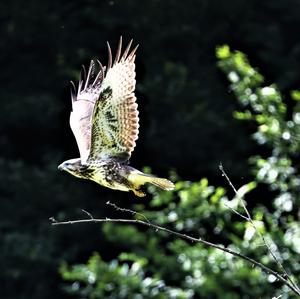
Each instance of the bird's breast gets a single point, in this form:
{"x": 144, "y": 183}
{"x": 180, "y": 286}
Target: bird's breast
{"x": 111, "y": 175}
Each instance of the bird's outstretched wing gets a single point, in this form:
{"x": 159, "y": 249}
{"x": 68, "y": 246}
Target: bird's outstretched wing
{"x": 104, "y": 117}
{"x": 115, "y": 119}
{"x": 83, "y": 102}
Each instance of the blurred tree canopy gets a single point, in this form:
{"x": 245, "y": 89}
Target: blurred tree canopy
{"x": 186, "y": 125}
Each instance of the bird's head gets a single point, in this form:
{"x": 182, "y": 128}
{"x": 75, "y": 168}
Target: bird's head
{"x": 74, "y": 167}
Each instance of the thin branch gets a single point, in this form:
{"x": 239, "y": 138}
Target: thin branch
{"x": 180, "y": 235}
{"x": 236, "y": 193}
{"x": 88, "y": 213}
{"x": 236, "y": 212}
{"x": 249, "y": 218}
{"x": 127, "y": 210}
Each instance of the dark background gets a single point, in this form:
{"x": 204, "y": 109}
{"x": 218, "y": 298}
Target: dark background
{"x": 184, "y": 101}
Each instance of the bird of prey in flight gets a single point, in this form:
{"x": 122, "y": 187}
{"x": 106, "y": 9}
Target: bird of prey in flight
{"x": 105, "y": 123}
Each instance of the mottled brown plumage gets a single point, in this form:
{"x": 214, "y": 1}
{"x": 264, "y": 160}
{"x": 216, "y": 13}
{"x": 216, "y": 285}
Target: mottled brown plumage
{"x": 105, "y": 123}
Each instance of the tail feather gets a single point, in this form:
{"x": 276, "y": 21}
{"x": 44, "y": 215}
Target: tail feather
{"x": 162, "y": 183}
{"x": 138, "y": 179}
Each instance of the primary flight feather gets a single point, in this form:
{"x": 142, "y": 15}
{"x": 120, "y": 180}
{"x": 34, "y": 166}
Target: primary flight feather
{"x": 105, "y": 123}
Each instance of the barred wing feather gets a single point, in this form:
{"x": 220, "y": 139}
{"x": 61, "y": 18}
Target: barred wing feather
{"x": 115, "y": 119}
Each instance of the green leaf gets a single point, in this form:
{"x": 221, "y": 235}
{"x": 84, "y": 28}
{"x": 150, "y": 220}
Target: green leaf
{"x": 223, "y": 52}
{"x": 295, "y": 95}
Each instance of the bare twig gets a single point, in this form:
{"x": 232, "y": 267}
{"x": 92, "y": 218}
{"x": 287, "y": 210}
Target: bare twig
{"x": 127, "y": 210}
{"x": 249, "y": 219}
{"x": 147, "y": 223}
{"x": 236, "y": 212}
{"x": 86, "y": 212}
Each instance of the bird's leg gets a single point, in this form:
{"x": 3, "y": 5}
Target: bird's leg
{"x": 138, "y": 192}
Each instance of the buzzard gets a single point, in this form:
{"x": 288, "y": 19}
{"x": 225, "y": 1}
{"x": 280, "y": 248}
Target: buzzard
{"x": 105, "y": 123}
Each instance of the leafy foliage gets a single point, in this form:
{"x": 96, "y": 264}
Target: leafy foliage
{"x": 280, "y": 131}
{"x": 118, "y": 279}
{"x": 277, "y": 129}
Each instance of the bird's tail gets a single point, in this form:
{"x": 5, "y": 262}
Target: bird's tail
{"x": 138, "y": 179}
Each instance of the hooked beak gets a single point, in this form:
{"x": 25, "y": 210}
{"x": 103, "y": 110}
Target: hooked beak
{"x": 61, "y": 167}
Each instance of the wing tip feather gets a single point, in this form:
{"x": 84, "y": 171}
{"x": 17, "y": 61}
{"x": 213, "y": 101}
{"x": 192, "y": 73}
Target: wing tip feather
{"x": 109, "y": 56}
{"x": 119, "y": 49}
